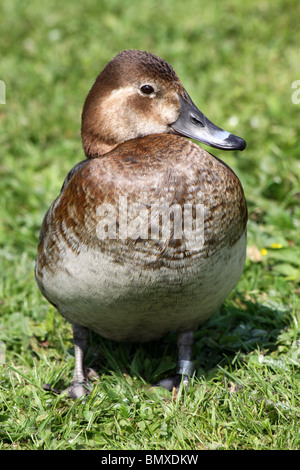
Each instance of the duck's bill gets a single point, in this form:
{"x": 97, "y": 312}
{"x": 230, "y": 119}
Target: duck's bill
{"x": 194, "y": 124}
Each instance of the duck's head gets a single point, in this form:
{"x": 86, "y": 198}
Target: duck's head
{"x": 139, "y": 94}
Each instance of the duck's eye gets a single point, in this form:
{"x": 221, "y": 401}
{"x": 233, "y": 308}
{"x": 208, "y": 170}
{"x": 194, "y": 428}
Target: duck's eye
{"x": 147, "y": 89}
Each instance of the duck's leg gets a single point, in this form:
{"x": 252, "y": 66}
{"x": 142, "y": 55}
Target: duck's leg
{"x": 79, "y": 386}
{"x": 185, "y": 367}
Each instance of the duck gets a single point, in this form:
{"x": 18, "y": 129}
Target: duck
{"x": 148, "y": 234}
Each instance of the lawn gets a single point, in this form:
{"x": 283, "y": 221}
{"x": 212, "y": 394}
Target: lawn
{"x": 238, "y": 61}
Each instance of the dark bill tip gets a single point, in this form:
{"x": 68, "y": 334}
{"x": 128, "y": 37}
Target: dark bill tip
{"x": 234, "y": 143}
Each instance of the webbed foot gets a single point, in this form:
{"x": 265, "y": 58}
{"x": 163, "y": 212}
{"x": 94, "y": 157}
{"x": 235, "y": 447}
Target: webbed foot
{"x": 75, "y": 390}
{"x": 174, "y": 382}
{"x": 79, "y": 389}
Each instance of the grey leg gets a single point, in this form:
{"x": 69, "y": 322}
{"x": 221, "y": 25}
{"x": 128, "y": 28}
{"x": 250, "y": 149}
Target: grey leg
{"x": 185, "y": 366}
{"x": 79, "y": 386}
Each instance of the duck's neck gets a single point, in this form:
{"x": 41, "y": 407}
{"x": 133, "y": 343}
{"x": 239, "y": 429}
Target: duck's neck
{"x": 94, "y": 149}
{"x": 96, "y": 135}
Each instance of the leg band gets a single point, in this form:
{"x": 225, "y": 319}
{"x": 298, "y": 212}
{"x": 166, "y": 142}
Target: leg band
{"x": 185, "y": 368}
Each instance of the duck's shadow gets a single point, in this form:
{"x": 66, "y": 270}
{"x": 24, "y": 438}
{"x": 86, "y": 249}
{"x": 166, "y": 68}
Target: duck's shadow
{"x": 229, "y": 332}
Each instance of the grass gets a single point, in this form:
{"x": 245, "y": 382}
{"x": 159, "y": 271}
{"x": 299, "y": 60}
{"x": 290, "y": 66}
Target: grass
{"x": 238, "y": 61}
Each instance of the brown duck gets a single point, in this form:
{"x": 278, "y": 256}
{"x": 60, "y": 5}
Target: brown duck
{"x": 148, "y": 234}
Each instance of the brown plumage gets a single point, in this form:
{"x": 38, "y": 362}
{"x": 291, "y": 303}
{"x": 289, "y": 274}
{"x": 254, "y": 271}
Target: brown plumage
{"x": 138, "y": 285}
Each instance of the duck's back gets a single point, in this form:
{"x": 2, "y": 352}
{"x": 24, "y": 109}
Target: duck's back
{"x": 115, "y": 254}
